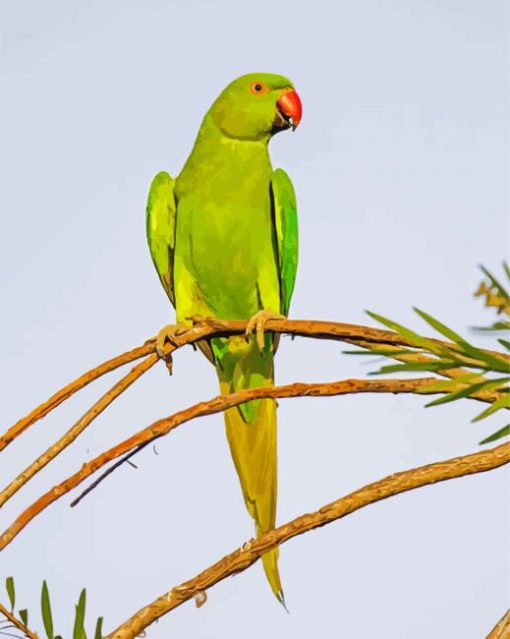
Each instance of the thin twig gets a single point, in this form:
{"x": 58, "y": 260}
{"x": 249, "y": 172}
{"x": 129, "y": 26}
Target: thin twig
{"x": 502, "y": 629}
{"x": 71, "y": 388}
{"x": 18, "y": 623}
{"x": 68, "y": 437}
{"x": 250, "y": 552}
{"x": 351, "y": 333}
{"x": 109, "y": 471}
{"x": 215, "y": 405}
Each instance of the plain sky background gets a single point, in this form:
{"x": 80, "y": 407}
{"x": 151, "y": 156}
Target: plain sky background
{"x": 400, "y": 167}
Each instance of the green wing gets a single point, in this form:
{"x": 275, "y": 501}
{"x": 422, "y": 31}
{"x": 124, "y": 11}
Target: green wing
{"x": 161, "y": 213}
{"x": 286, "y": 224}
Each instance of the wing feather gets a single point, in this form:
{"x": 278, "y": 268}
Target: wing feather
{"x": 286, "y": 227}
{"x": 161, "y": 221}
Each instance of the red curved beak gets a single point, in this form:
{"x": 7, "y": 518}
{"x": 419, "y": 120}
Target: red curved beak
{"x": 289, "y": 103}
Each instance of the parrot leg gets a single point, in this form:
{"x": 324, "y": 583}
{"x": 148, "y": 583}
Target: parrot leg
{"x": 257, "y": 323}
{"x": 169, "y": 333}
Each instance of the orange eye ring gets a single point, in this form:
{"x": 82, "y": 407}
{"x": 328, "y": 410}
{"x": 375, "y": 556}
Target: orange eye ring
{"x": 258, "y": 87}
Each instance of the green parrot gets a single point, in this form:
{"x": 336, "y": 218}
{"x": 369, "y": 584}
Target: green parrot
{"x": 223, "y": 237}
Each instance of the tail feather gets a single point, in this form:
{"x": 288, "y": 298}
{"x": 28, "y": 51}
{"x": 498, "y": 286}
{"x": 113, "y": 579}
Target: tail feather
{"x": 252, "y": 436}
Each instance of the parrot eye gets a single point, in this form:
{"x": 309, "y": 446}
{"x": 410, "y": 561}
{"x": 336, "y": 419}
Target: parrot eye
{"x": 258, "y": 88}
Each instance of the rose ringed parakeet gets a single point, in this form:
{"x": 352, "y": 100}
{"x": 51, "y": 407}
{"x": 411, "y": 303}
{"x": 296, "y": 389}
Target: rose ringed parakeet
{"x": 224, "y": 239}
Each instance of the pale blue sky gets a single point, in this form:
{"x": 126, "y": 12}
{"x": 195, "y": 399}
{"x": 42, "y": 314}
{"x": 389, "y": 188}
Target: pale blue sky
{"x": 400, "y": 167}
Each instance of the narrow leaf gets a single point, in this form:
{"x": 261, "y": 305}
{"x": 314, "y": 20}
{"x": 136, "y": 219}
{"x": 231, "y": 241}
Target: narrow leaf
{"x": 11, "y": 593}
{"x": 502, "y": 432}
{"x": 497, "y": 326}
{"x": 23, "y": 615}
{"x": 430, "y": 367}
{"x": 450, "y": 384}
{"x": 470, "y": 350}
{"x": 506, "y": 268}
{"x": 46, "y": 611}
{"x": 411, "y": 336}
{"x": 79, "y": 619}
{"x": 99, "y": 628}
{"x": 440, "y": 327}
{"x": 502, "y": 402}
{"x": 484, "y": 360}
{"x": 505, "y": 343}
{"x": 489, "y": 384}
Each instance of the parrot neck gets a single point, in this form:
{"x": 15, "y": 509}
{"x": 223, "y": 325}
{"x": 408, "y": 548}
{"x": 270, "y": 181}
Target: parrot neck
{"x": 214, "y": 149}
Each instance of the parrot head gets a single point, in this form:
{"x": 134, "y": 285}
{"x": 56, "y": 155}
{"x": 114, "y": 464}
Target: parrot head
{"x": 256, "y": 106}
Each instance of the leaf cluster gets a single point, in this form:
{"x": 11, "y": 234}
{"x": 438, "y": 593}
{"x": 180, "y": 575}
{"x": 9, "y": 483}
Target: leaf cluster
{"x": 47, "y": 616}
{"x": 463, "y": 368}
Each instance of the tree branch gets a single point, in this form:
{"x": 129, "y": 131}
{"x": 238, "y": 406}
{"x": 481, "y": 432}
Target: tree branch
{"x": 215, "y": 405}
{"x": 451, "y": 373}
{"x": 502, "y": 629}
{"x": 484, "y": 396}
{"x": 77, "y": 428}
{"x": 352, "y": 333}
{"x": 18, "y": 623}
{"x": 71, "y": 388}
{"x": 250, "y": 552}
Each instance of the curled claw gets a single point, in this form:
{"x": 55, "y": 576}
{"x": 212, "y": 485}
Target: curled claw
{"x": 168, "y": 334}
{"x": 257, "y": 323}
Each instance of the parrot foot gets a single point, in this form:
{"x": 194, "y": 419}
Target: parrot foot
{"x": 169, "y": 333}
{"x": 257, "y": 323}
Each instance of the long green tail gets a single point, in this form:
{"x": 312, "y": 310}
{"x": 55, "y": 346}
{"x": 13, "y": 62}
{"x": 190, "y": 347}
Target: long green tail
{"x": 251, "y": 433}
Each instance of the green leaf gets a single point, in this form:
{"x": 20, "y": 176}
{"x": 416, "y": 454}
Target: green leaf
{"x": 23, "y": 615}
{"x": 98, "y": 634}
{"x": 505, "y": 343}
{"x": 488, "y": 384}
{"x": 502, "y": 432}
{"x": 506, "y": 268}
{"x": 409, "y": 367}
{"x": 46, "y": 611}
{"x": 449, "y": 384}
{"x": 487, "y": 360}
{"x": 502, "y": 402}
{"x": 440, "y": 327}
{"x": 408, "y": 334}
{"x": 497, "y": 326}
{"x": 467, "y": 348}
{"x": 11, "y": 593}
{"x": 79, "y": 619}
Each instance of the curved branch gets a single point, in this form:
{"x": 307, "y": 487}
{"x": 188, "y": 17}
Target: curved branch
{"x": 18, "y": 623}
{"x": 217, "y": 404}
{"x": 483, "y": 396}
{"x": 71, "y": 388}
{"x": 351, "y": 333}
{"x": 250, "y": 552}
{"x": 502, "y": 629}
{"x": 75, "y": 430}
